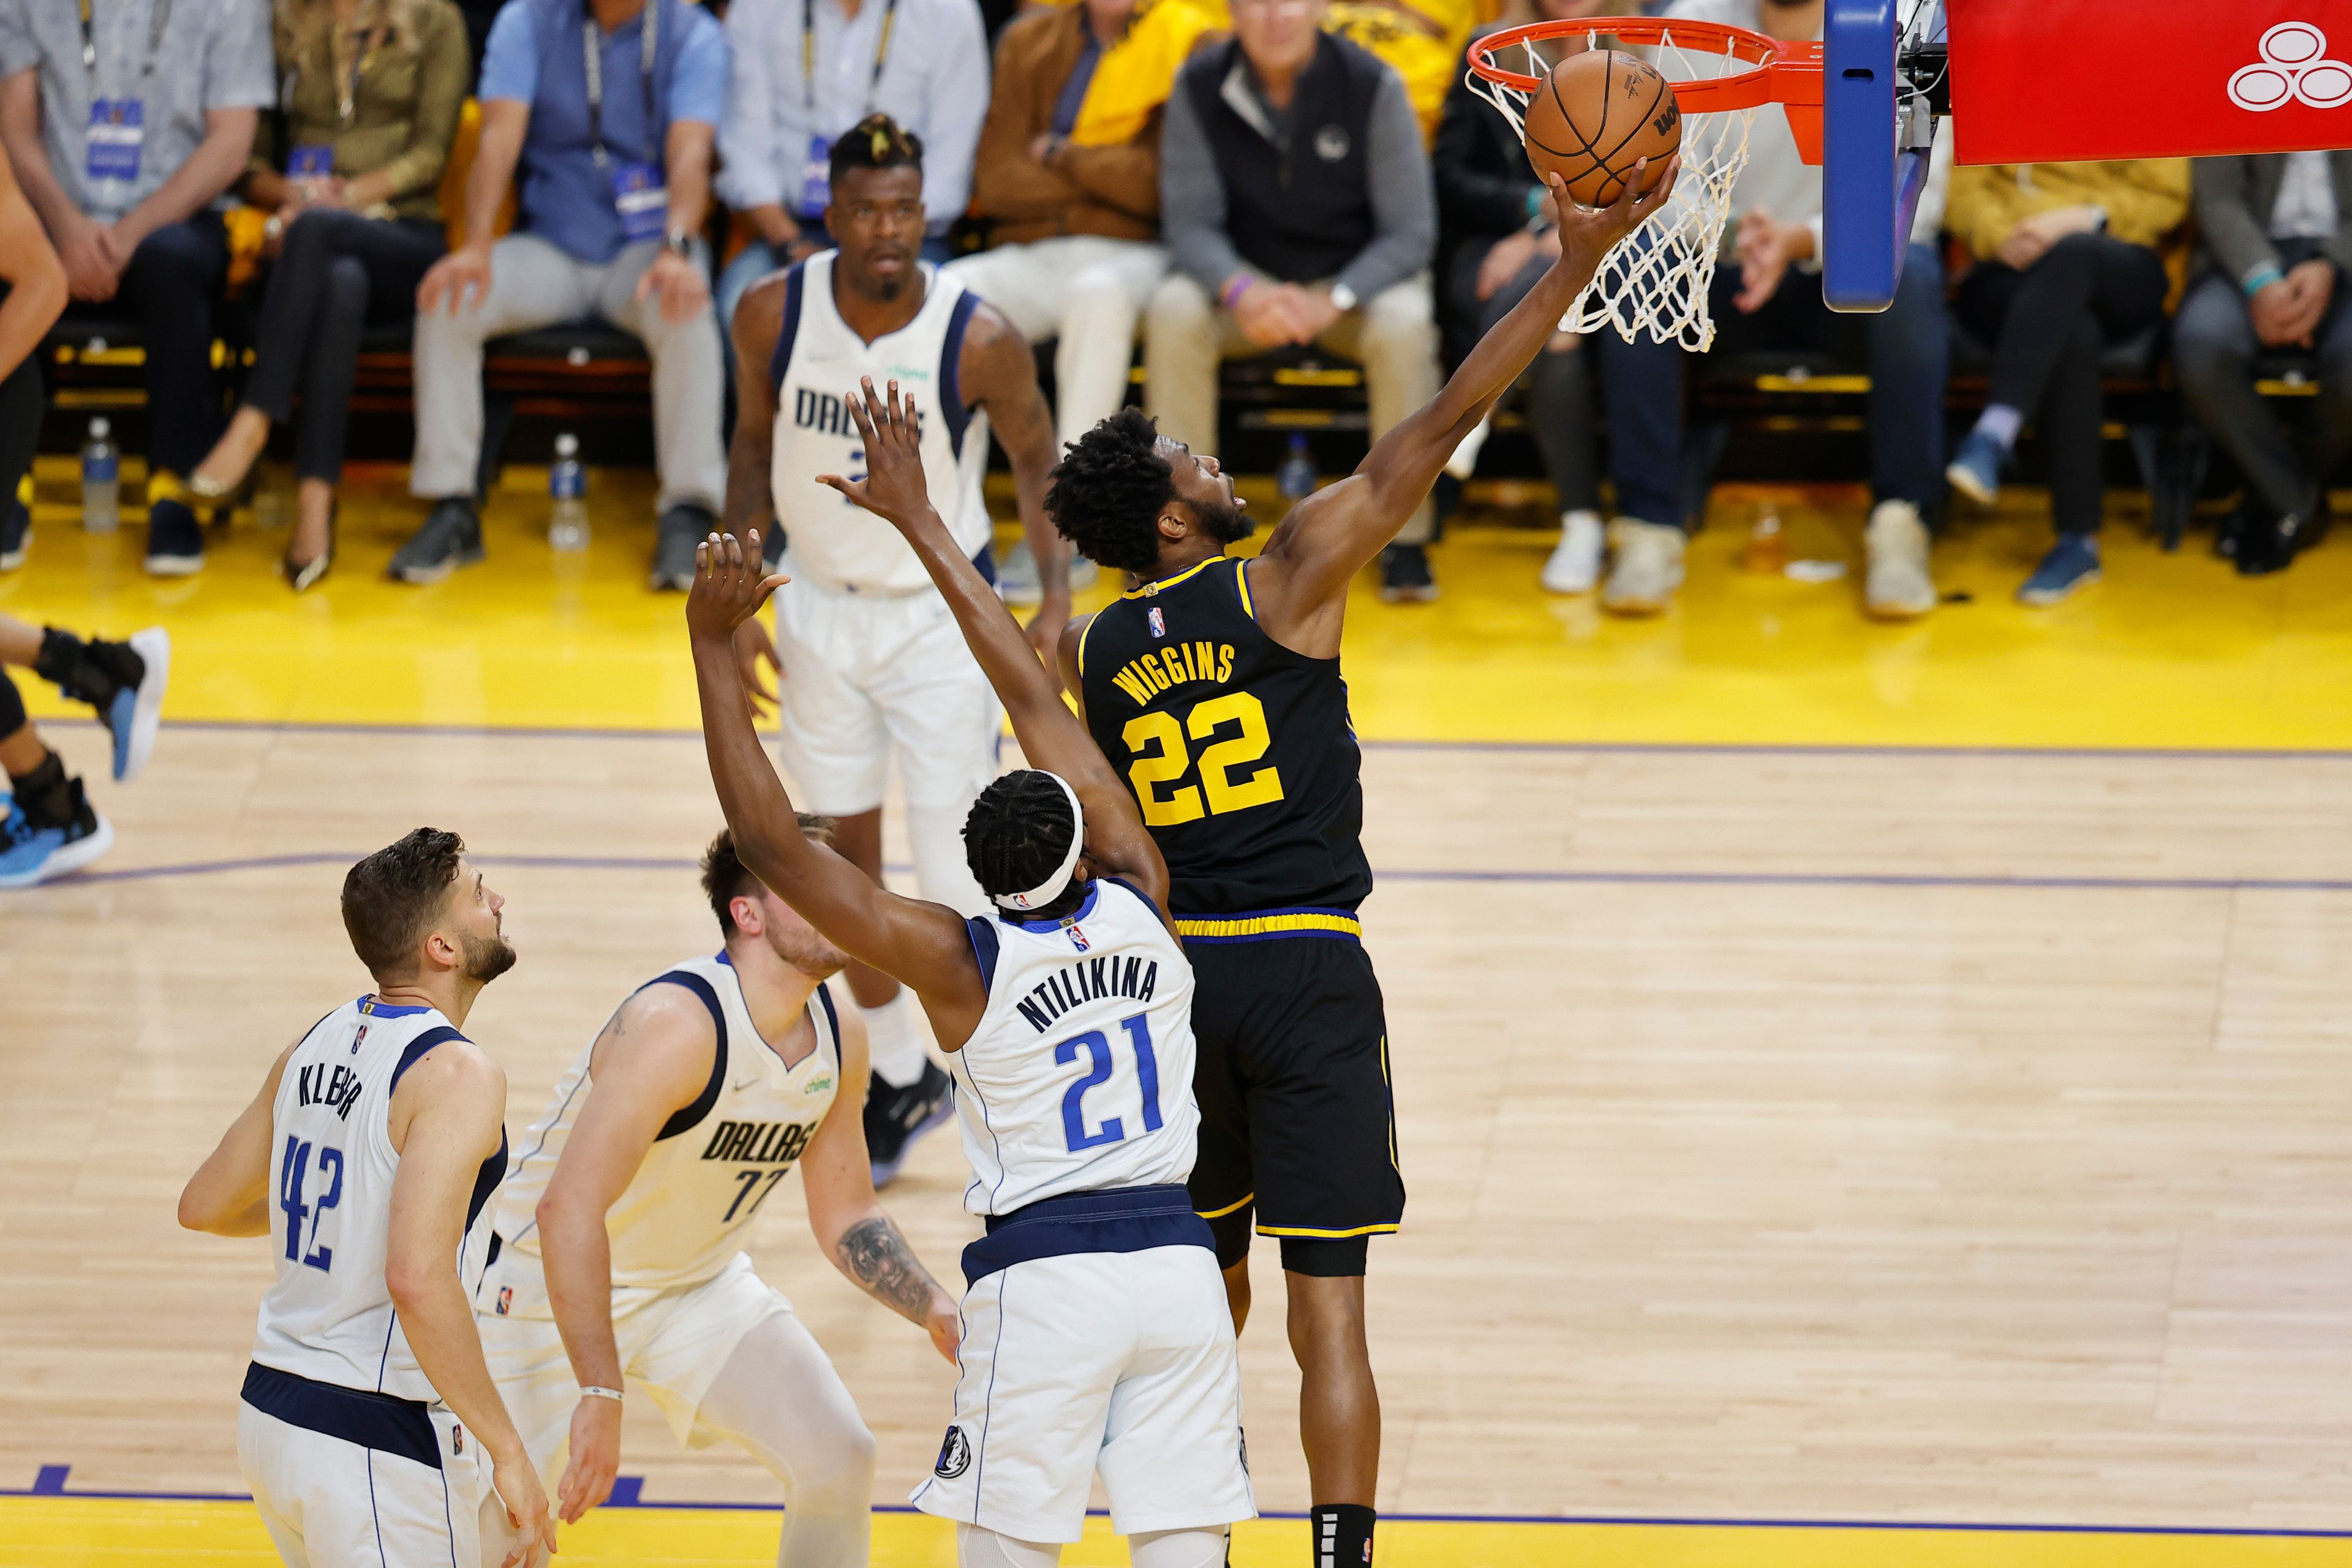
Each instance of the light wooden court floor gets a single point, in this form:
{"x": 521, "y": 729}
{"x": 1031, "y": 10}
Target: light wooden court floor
{"x": 1804, "y": 1132}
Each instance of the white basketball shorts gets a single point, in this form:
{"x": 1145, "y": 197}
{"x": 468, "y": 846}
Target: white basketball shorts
{"x": 864, "y": 677}
{"x": 1118, "y": 1361}
{"x": 672, "y": 1342}
{"x": 392, "y": 1482}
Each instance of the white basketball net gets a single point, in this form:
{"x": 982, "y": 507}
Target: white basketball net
{"x": 1656, "y": 279}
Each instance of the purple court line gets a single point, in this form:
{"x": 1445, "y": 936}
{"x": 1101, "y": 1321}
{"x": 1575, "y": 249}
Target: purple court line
{"x": 627, "y": 1492}
{"x": 1606, "y": 877}
{"x": 1627, "y": 748}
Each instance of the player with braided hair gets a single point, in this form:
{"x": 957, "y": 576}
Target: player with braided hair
{"x": 1067, "y": 1016}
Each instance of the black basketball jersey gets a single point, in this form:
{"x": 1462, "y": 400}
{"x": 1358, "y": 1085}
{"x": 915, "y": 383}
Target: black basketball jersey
{"x": 1238, "y": 749}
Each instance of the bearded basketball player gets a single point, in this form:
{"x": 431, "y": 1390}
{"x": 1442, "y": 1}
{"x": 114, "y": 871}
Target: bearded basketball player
{"x": 872, "y": 666}
{"x": 1213, "y": 687}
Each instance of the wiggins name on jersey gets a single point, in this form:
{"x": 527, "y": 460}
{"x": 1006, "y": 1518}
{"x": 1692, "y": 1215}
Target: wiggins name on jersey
{"x": 1238, "y": 749}
{"x": 711, "y": 1166}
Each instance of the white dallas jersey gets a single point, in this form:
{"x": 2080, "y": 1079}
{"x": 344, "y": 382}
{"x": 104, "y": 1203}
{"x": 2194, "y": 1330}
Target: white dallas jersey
{"x": 711, "y": 1166}
{"x": 329, "y": 1317}
{"x": 834, "y": 544}
{"x": 1079, "y": 1077}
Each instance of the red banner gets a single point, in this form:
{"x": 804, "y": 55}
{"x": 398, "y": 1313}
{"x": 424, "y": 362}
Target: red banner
{"x": 2048, "y": 81}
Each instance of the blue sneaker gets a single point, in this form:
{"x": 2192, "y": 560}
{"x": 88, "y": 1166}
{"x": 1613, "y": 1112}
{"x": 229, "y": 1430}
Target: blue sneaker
{"x": 29, "y": 855}
{"x": 895, "y": 1117}
{"x": 137, "y": 713}
{"x": 1975, "y": 469}
{"x": 2072, "y": 562}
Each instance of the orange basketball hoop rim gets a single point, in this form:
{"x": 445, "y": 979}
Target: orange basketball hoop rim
{"x": 1757, "y": 69}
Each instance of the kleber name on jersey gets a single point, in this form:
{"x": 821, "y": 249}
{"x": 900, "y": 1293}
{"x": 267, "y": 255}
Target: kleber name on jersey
{"x": 335, "y": 1087}
{"x": 1148, "y": 675}
{"x": 1073, "y": 984}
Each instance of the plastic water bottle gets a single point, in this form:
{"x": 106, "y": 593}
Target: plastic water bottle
{"x": 102, "y": 480}
{"x": 567, "y": 486}
{"x": 1296, "y": 476}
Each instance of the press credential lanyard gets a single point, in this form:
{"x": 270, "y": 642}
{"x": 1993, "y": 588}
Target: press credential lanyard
{"x": 640, "y": 188}
{"x": 816, "y": 172}
{"x": 118, "y": 126}
{"x": 649, "y": 36}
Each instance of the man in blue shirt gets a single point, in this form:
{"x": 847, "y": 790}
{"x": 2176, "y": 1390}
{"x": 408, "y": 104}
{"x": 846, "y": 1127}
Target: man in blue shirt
{"x": 610, "y": 113}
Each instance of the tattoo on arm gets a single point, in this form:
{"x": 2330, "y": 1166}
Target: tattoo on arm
{"x": 873, "y": 1253}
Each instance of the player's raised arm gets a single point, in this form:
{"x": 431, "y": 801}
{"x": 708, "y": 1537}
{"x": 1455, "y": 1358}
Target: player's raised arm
{"x": 920, "y": 944}
{"x": 1051, "y": 736}
{"x": 1330, "y": 535}
{"x": 229, "y": 1193}
{"x": 652, "y": 1059}
{"x": 447, "y": 1120}
{"x": 848, "y": 1220}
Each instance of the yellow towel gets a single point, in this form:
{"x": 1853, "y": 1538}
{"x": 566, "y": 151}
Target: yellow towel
{"x": 1135, "y": 75}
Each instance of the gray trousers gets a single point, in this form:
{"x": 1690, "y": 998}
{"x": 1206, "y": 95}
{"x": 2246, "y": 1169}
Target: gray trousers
{"x": 533, "y": 284}
{"x": 2214, "y": 350}
{"x": 1393, "y": 335}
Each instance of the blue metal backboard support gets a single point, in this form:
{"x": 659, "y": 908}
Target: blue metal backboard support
{"x": 1870, "y": 180}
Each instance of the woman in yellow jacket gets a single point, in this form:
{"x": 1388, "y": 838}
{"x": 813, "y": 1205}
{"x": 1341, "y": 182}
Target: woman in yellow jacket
{"x": 2065, "y": 263}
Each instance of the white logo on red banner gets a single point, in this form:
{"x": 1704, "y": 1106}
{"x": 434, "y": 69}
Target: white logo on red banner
{"x": 2295, "y": 69}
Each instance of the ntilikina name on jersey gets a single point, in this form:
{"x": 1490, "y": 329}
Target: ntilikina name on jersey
{"x": 1066, "y": 987}
{"x": 1148, "y": 675}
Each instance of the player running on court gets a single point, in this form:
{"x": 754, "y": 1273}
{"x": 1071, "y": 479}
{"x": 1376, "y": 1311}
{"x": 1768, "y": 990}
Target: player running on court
{"x": 619, "y": 1236}
{"x": 1213, "y": 687}
{"x": 1095, "y": 1335}
{"x": 872, "y": 667}
{"x": 367, "y": 1158}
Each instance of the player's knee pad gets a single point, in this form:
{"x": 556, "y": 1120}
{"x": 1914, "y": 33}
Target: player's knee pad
{"x": 1177, "y": 1548}
{"x": 943, "y": 873}
{"x": 978, "y": 1548}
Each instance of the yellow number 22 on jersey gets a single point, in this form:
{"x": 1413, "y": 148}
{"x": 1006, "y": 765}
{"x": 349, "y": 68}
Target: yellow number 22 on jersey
{"x": 1157, "y": 743}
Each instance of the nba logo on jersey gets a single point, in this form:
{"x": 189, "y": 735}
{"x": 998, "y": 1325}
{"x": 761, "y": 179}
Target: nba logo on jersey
{"x": 505, "y": 1299}
{"x": 1079, "y": 940}
{"x": 1159, "y": 622}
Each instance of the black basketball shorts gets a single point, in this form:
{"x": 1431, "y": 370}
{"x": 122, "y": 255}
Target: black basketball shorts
{"x": 1297, "y": 1120}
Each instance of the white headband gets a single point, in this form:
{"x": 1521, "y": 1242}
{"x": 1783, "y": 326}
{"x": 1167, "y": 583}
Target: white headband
{"x": 1046, "y": 891}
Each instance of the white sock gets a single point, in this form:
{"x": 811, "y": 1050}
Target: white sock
{"x": 2000, "y": 422}
{"x": 893, "y": 1045}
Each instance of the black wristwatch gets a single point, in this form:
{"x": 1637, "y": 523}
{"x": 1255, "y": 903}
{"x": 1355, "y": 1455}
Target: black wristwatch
{"x": 680, "y": 243}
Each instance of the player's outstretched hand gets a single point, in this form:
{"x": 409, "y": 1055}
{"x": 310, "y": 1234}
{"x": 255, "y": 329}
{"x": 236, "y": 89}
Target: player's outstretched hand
{"x": 728, "y": 588}
{"x": 1588, "y": 234}
{"x": 517, "y": 1486}
{"x": 595, "y": 1459}
{"x": 894, "y": 488}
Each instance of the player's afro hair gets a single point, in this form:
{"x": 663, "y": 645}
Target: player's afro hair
{"x": 1017, "y": 831}
{"x": 876, "y": 142}
{"x": 726, "y": 879}
{"x": 392, "y": 898}
{"x": 1107, "y": 493}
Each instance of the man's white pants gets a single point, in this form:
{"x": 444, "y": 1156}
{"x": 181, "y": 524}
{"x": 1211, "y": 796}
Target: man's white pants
{"x": 1087, "y": 291}
{"x": 725, "y": 1360}
{"x": 330, "y": 1502}
{"x": 867, "y": 678}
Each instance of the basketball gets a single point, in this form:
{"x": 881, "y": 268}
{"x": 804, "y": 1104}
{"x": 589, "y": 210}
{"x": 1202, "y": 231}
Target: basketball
{"x": 1600, "y": 113}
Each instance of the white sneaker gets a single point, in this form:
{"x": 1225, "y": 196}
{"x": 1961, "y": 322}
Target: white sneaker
{"x": 1464, "y": 461}
{"x": 1898, "y": 586}
{"x": 1575, "y": 564}
{"x": 1648, "y": 568}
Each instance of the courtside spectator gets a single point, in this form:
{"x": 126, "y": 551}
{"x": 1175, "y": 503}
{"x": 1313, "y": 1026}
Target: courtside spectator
{"x": 373, "y": 94}
{"x": 1295, "y": 197}
{"x": 804, "y": 71}
{"x": 2277, "y": 235}
{"x": 1766, "y": 295}
{"x": 2065, "y": 264}
{"x": 615, "y": 185}
{"x": 126, "y": 123}
{"x": 1494, "y": 239}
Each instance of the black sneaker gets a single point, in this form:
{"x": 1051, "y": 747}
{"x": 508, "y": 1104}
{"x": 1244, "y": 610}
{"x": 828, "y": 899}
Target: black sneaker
{"x": 1404, "y": 576}
{"x": 896, "y": 1117}
{"x": 176, "y": 544}
{"x": 451, "y": 537}
{"x": 16, "y": 536}
{"x": 683, "y": 527}
{"x": 2271, "y": 543}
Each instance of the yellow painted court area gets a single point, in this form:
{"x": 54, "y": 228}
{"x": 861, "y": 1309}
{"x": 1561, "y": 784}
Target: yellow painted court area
{"x": 74, "y": 1533}
{"x": 2170, "y": 650}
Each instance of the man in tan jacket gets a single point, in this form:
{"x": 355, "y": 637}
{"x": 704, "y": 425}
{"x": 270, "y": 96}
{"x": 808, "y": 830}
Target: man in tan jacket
{"x": 1078, "y": 215}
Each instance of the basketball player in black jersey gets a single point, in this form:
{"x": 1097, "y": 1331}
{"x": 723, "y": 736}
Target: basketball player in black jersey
{"x": 1213, "y": 687}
